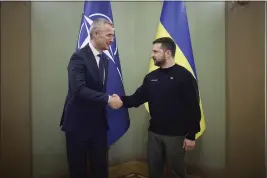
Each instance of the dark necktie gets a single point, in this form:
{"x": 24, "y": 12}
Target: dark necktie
{"x": 101, "y": 67}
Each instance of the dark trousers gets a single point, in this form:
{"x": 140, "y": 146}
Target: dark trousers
{"x": 162, "y": 150}
{"x": 80, "y": 148}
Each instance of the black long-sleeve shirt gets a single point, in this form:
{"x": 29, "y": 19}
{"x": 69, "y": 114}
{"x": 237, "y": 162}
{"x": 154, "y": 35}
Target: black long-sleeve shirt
{"x": 173, "y": 99}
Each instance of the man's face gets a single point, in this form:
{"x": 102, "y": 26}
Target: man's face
{"x": 158, "y": 55}
{"x": 104, "y": 36}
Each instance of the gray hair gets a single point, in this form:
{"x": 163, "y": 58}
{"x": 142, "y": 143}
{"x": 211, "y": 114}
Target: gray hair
{"x": 97, "y": 24}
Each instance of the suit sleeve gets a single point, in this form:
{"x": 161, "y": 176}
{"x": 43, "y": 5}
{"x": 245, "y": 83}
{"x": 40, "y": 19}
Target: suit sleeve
{"x": 76, "y": 74}
{"x": 193, "y": 112}
{"x": 137, "y": 99}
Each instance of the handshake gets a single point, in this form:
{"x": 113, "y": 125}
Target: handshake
{"x": 115, "y": 102}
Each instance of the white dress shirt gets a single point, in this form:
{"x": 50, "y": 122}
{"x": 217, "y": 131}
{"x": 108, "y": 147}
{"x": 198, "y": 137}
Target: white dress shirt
{"x": 96, "y": 53}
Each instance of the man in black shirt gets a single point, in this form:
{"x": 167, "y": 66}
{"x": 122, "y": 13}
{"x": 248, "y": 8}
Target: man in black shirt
{"x": 172, "y": 94}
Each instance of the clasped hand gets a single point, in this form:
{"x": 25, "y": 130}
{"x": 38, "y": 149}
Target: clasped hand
{"x": 115, "y": 102}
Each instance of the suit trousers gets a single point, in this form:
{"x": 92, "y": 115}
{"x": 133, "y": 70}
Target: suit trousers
{"x": 162, "y": 150}
{"x": 81, "y": 148}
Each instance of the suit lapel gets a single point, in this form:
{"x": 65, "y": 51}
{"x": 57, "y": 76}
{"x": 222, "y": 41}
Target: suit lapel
{"x": 91, "y": 63}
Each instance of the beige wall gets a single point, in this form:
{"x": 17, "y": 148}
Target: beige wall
{"x": 54, "y": 34}
{"x": 207, "y": 26}
{"x": 53, "y": 43}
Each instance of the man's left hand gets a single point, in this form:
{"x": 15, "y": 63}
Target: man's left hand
{"x": 189, "y": 144}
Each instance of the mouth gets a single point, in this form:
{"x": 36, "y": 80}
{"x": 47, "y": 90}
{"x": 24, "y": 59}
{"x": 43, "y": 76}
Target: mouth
{"x": 107, "y": 45}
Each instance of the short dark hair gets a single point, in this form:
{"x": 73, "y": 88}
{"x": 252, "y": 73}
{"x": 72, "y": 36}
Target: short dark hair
{"x": 167, "y": 43}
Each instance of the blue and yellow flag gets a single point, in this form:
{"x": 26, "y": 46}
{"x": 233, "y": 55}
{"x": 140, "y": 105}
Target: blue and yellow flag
{"x": 173, "y": 23}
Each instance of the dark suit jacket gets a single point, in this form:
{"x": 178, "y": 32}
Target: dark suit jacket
{"x": 84, "y": 109}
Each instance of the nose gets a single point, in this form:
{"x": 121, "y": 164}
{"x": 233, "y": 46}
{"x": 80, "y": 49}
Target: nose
{"x": 111, "y": 38}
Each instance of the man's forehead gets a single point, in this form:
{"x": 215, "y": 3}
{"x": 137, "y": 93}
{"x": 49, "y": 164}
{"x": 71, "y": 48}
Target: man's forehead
{"x": 110, "y": 30}
{"x": 106, "y": 25}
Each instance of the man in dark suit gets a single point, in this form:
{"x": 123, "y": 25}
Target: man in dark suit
{"x": 84, "y": 120}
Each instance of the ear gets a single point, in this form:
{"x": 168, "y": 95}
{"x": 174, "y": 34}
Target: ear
{"x": 96, "y": 32}
{"x": 168, "y": 52}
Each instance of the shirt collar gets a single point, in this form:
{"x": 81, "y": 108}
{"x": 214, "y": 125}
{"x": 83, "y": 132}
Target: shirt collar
{"x": 95, "y": 52}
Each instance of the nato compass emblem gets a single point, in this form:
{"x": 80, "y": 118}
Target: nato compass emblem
{"x": 84, "y": 37}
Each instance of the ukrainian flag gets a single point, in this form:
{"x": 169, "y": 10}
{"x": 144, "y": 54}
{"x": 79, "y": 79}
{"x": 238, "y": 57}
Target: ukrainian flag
{"x": 173, "y": 23}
